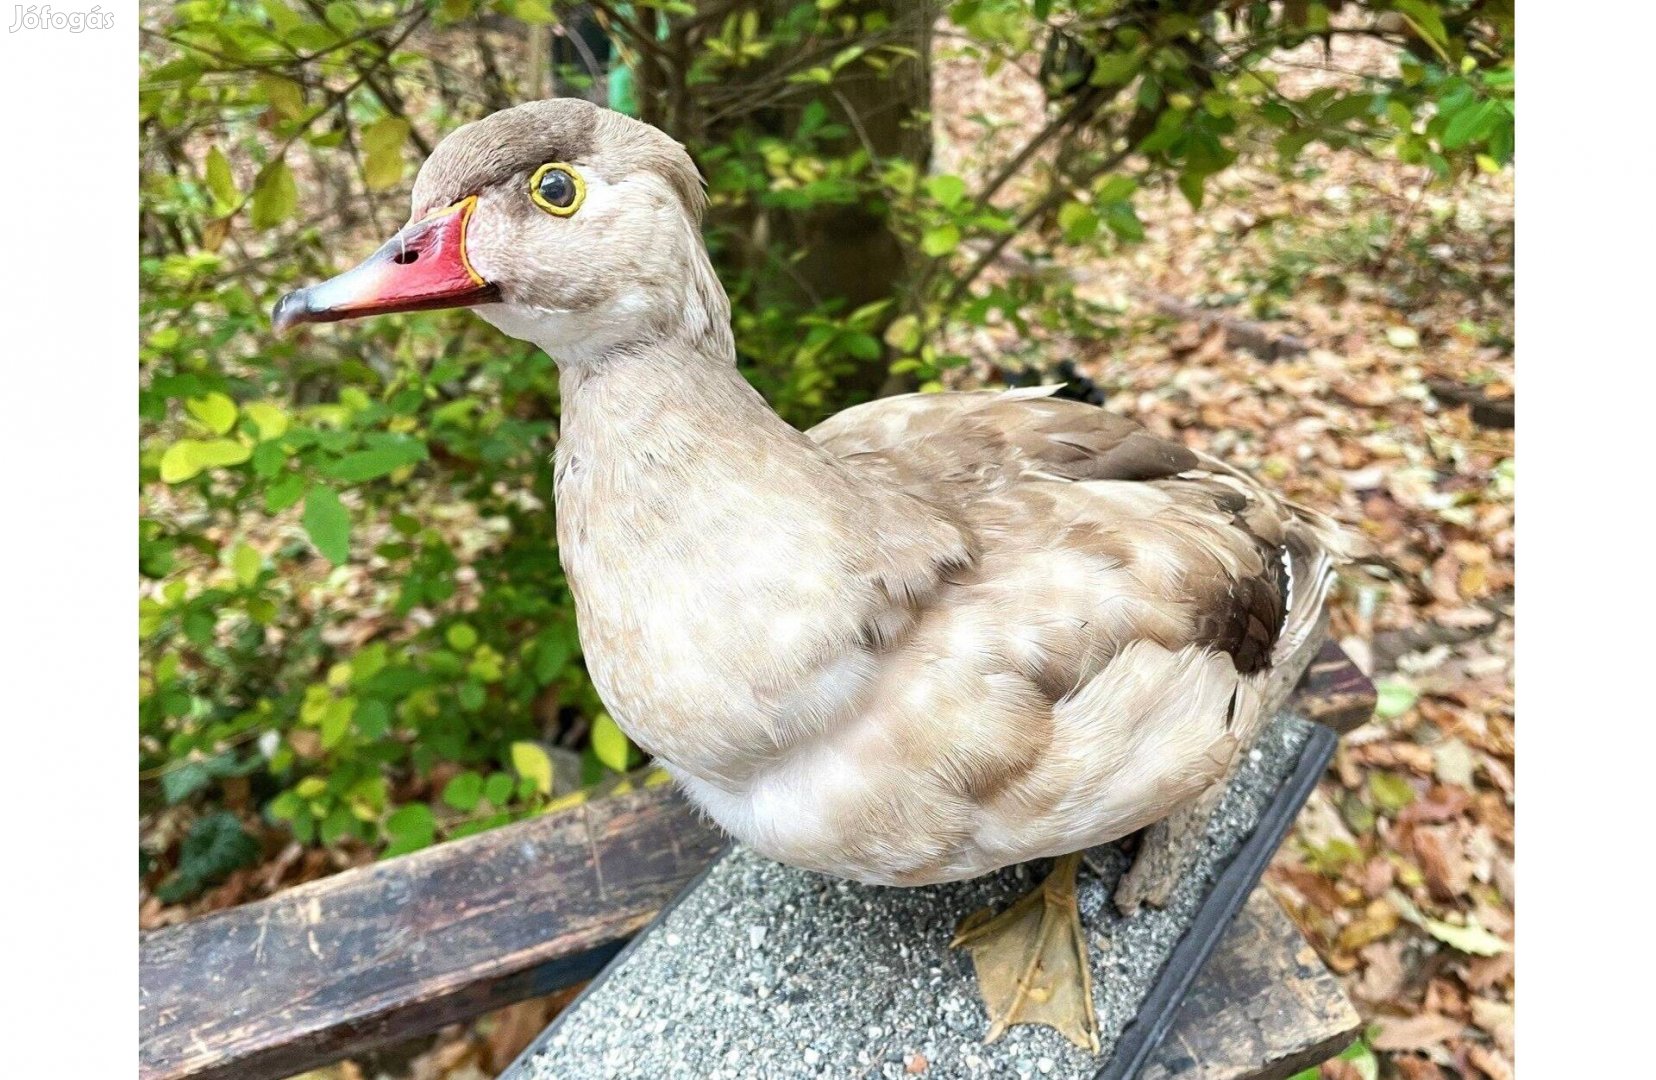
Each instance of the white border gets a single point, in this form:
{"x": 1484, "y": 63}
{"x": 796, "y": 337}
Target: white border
{"x": 68, "y": 291}
{"x": 1587, "y": 522}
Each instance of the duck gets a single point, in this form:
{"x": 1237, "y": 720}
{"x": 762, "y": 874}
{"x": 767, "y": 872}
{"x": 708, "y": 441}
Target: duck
{"x": 935, "y": 635}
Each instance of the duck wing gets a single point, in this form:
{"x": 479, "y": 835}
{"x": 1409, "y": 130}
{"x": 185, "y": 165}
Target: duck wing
{"x": 1220, "y": 561}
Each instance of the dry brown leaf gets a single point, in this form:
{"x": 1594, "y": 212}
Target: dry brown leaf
{"x": 1497, "y": 1018}
{"x": 1379, "y": 920}
{"x": 515, "y": 1027}
{"x": 1410, "y": 1067}
{"x": 1446, "y": 998}
{"x": 1490, "y": 1062}
{"x": 1441, "y": 851}
{"x": 1382, "y": 977}
{"x": 1485, "y": 972}
{"x": 1424, "y": 1032}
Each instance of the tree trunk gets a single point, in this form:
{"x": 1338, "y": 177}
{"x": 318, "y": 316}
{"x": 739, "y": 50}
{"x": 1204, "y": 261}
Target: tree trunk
{"x": 850, "y": 253}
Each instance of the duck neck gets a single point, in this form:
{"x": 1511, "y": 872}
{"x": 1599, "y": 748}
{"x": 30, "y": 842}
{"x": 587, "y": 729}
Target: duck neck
{"x": 646, "y": 412}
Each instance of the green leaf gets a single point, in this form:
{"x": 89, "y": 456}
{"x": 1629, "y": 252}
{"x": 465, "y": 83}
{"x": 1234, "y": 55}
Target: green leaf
{"x": 552, "y": 652}
{"x": 286, "y": 97}
{"x": 274, "y": 195}
{"x": 903, "y": 334}
{"x": 221, "y": 182}
{"x": 1426, "y": 21}
{"x": 532, "y": 763}
{"x": 1390, "y": 791}
{"x": 284, "y": 493}
{"x": 373, "y": 719}
{"x": 464, "y": 792}
{"x": 461, "y": 637}
{"x": 376, "y": 461}
{"x": 186, "y": 458}
{"x": 327, "y": 523}
{"x": 216, "y": 412}
{"x": 216, "y": 845}
{"x": 336, "y": 721}
{"x": 610, "y": 743}
{"x": 271, "y": 421}
{"x": 382, "y": 146}
{"x": 498, "y": 788}
{"x": 1393, "y": 698}
{"x": 1124, "y": 222}
{"x": 1469, "y": 124}
{"x": 862, "y": 346}
{"x": 947, "y": 190}
{"x": 940, "y": 241}
{"x": 247, "y": 563}
{"x": 1191, "y": 186}
{"x": 1115, "y": 189}
{"x": 1471, "y": 938}
{"x": 1078, "y": 221}
{"x": 196, "y": 774}
{"x": 411, "y": 828}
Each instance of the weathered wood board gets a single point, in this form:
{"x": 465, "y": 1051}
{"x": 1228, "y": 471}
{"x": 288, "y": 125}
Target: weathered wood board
{"x": 1263, "y": 1008}
{"x": 401, "y": 948}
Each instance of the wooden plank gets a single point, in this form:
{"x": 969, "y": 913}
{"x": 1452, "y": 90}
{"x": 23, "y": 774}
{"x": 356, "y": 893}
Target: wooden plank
{"x": 1263, "y": 1008}
{"x": 403, "y": 947}
{"x": 1333, "y": 692}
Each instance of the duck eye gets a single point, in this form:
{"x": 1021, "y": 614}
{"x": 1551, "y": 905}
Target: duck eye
{"x": 557, "y": 189}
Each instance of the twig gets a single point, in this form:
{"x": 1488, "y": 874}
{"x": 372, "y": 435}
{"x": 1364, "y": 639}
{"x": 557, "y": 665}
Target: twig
{"x": 1060, "y": 191}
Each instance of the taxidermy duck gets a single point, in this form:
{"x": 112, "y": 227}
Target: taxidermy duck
{"x": 935, "y": 635}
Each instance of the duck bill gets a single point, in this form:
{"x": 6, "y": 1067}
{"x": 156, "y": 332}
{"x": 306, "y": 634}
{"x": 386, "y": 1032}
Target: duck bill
{"x": 423, "y": 267}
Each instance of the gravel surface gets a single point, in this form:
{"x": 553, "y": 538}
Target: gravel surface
{"x": 768, "y": 971}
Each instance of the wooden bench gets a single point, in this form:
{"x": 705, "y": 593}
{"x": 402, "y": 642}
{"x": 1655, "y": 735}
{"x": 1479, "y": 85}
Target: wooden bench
{"x": 401, "y": 948}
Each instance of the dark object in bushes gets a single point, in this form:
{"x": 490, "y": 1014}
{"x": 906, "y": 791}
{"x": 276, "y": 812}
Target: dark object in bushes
{"x": 216, "y": 845}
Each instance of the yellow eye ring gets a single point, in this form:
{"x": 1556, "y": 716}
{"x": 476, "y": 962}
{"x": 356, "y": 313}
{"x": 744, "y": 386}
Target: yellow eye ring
{"x": 576, "y": 185}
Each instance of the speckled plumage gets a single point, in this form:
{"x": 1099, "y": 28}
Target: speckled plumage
{"x": 935, "y": 635}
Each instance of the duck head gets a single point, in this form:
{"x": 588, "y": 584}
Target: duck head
{"x": 560, "y": 222}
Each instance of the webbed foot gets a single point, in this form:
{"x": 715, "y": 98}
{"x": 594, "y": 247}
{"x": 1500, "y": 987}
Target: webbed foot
{"x": 1032, "y": 963}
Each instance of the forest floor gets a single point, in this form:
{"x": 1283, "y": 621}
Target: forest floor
{"x": 1345, "y": 333}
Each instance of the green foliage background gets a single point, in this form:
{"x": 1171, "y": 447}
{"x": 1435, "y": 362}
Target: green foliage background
{"x": 353, "y": 625}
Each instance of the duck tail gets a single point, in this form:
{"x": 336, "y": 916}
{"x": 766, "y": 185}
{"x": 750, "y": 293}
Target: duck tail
{"x": 1314, "y": 547}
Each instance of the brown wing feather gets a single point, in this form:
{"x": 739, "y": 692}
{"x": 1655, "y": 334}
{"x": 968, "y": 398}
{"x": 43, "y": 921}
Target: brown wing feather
{"x": 1217, "y": 557}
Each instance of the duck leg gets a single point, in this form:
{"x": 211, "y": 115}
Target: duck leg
{"x": 1166, "y": 851}
{"x": 1031, "y": 960}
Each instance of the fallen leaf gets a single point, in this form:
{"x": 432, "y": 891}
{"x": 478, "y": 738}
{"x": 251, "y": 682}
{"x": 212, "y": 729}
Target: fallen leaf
{"x": 1402, "y": 337}
{"x": 1484, "y": 972}
{"x": 1495, "y": 1017}
{"x": 1383, "y": 977}
{"x": 1490, "y": 1063}
{"x": 1426, "y": 1031}
{"x": 1469, "y": 938}
{"x": 1377, "y": 921}
{"x": 515, "y": 1027}
{"x": 1442, "y": 854}
{"x": 1453, "y": 763}
{"x": 1410, "y": 1067}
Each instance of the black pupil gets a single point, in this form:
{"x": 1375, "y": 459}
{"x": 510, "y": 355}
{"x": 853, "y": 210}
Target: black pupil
{"x": 557, "y": 188}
